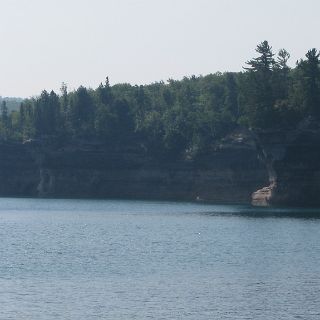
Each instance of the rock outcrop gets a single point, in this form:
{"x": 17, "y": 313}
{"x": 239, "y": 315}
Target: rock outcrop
{"x": 262, "y": 168}
{"x": 227, "y": 174}
{"x": 263, "y": 197}
{"x": 19, "y": 173}
{"x": 292, "y": 159}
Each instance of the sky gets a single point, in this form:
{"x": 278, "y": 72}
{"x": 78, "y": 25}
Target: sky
{"x": 80, "y": 42}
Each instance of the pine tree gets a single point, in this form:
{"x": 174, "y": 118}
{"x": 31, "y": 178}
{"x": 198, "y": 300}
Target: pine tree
{"x": 258, "y": 89}
{"x": 265, "y": 61}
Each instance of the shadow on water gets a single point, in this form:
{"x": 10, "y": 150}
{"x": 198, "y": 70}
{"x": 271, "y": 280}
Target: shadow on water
{"x": 142, "y": 207}
{"x": 272, "y": 212}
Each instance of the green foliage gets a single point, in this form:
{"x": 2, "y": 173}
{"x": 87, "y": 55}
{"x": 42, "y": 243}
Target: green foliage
{"x": 176, "y": 119}
{"x": 12, "y": 103}
{"x": 258, "y": 87}
{"x": 265, "y": 62}
{"x": 5, "y": 128}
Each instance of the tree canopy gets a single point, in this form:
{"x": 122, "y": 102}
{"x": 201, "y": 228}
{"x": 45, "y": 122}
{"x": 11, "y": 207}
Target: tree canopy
{"x": 175, "y": 118}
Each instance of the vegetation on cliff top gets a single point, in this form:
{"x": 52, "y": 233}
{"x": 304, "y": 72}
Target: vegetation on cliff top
{"x": 176, "y": 117}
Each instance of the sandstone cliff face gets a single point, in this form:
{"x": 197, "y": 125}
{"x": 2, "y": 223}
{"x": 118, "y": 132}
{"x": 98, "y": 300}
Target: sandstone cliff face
{"x": 229, "y": 174}
{"x": 292, "y": 159}
{"x": 263, "y": 168}
{"x": 19, "y": 173}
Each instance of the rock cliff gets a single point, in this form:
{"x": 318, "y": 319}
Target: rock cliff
{"x": 229, "y": 173}
{"x": 262, "y": 168}
{"x": 292, "y": 159}
{"x": 19, "y": 172}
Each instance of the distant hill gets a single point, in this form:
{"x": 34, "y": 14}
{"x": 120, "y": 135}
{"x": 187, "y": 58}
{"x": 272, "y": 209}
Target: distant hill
{"x": 13, "y": 104}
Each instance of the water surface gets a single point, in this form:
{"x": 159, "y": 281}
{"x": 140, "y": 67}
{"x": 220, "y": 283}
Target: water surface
{"x": 89, "y": 259}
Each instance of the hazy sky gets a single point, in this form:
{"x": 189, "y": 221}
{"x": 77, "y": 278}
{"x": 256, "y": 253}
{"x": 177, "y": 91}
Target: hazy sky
{"x": 47, "y": 42}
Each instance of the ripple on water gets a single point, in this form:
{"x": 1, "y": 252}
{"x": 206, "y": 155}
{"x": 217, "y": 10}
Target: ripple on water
{"x": 68, "y": 259}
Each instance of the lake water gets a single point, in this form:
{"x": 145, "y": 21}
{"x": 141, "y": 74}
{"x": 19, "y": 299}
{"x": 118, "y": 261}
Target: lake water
{"x": 88, "y": 259}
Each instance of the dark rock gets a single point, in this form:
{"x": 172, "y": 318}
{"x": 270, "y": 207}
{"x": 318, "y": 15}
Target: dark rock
{"x": 228, "y": 174}
{"x": 292, "y": 159}
{"x": 275, "y": 167}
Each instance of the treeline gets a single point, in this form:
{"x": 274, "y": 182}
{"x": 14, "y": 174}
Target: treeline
{"x": 12, "y": 104}
{"x": 176, "y": 118}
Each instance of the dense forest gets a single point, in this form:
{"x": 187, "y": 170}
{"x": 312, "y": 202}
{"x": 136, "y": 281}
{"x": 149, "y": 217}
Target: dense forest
{"x": 11, "y": 103}
{"x": 175, "y": 118}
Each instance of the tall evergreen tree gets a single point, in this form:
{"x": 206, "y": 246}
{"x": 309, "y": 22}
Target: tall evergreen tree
{"x": 231, "y": 95}
{"x": 258, "y": 89}
{"x": 311, "y": 70}
{"x": 82, "y": 112}
{"x": 265, "y": 61}
{"x": 5, "y": 121}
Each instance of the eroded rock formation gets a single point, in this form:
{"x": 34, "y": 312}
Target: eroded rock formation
{"x": 292, "y": 159}
{"x": 262, "y": 168}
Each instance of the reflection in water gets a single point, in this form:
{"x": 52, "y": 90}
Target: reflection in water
{"x": 80, "y": 259}
{"x": 259, "y": 212}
